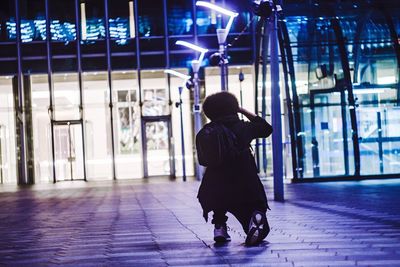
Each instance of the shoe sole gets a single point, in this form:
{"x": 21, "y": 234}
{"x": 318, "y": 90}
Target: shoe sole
{"x": 220, "y": 239}
{"x": 256, "y": 225}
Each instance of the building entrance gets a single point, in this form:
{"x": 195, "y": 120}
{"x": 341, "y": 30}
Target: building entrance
{"x": 329, "y": 133}
{"x": 68, "y": 151}
{"x": 157, "y": 148}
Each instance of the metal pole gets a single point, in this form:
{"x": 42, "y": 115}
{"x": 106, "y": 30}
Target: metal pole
{"x": 221, "y": 35}
{"x": 380, "y": 145}
{"x": 70, "y": 151}
{"x": 267, "y": 29}
{"x": 110, "y": 87}
{"x": 21, "y": 120}
{"x": 51, "y": 88}
{"x": 182, "y": 136}
{"x": 197, "y": 111}
{"x": 257, "y": 47}
{"x": 80, "y": 81}
{"x": 241, "y": 79}
{"x": 276, "y": 111}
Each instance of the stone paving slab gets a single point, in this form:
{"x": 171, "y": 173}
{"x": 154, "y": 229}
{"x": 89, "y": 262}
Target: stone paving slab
{"x": 136, "y": 223}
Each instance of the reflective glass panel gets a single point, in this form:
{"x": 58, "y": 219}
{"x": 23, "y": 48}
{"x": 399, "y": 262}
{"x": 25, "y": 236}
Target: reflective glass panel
{"x": 7, "y": 21}
{"x": 127, "y": 125}
{"x": 180, "y": 19}
{"x": 155, "y": 95}
{"x": 8, "y": 166}
{"x": 62, "y": 21}
{"x": 157, "y": 148}
{"x": 68, "y": 150}
{"x": 66, "y": 96}
{"x": 151, "y": 18}
{"x": 92, "y": 20}
{"x": 97, "y": 126}
{"x": 327, "y": 139}
{"x": 33, "y": 20}
{"x": 325, "y": 134}
{"x": 41, "y": 127}
{"x": 122, "y": 21}
{"x": 373, "y": 53}
{"x": 375, "y": 76}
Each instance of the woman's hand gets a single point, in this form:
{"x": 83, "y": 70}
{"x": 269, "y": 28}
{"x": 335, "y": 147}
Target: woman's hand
{"x": 248, "y": 114}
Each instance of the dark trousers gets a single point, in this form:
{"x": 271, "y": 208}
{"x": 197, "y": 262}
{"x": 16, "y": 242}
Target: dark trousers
{"x": 242, "y": 214}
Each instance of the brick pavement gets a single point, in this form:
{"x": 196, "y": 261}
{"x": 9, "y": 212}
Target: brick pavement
{"x": 159, "y": 223}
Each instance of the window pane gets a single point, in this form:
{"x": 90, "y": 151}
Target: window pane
{"x": 8, "y": 166}
{"x": 180, "y": 20}
{"x": 151, "y": 18}
{"x": 92, "y": 16}
{"x": 157, "y": 148}
{"x": 66, "y": 96}
{"x": 154, "y": 94}
{"x": 122, "y": 21}
{"x": 7, "y": 20}
{"x": 41, "y": 127}
{"x": 97, "y": 126}
{"x": 33, "y": 20}
{"x": 127, "y": 125}
{"x": 62, "y": 17}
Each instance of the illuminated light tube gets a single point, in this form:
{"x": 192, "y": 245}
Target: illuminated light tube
{"x": 194, "y": 47}
{"x": 132, "y": 29}
{"x": 217, "y": 8}
{"x": 83, "y": 21}
{"x": 221, "y": 10}
{"x": 178, "y": 74}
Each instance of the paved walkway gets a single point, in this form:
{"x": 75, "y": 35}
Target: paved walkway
{"x": 159, "y": 223}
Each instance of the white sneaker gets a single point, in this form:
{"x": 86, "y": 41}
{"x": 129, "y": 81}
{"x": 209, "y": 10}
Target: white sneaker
{"x": 221, "y": 234}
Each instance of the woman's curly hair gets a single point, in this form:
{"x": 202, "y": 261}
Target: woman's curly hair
{"x": 220, "y": 104}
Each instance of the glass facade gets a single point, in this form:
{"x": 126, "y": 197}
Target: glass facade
{"x": 99, "y": 106}
{"x": 346, "y": 85}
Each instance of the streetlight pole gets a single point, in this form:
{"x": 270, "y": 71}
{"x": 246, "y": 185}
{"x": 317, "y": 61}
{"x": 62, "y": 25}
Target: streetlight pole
{"x": 185, "y": 78}
{"x": 276, "y": 107}
{"x": 182, "y": 135}
{"x": 196, "y": 96}
{"x": 197, "y": 110}
{"x": 222, "y": 34}
{"x": 269, "y": 11}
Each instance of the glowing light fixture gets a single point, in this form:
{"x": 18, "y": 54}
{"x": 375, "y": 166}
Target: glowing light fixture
{"x": 221, "y": 10}
{"x": 131, "y": 20}
{"x": 194, "y": 47}
{"x": 83, "y": 21}
{"x": 178, "y": 74}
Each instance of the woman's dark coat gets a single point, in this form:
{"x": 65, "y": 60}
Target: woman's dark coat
{"x": 236, "y": 183}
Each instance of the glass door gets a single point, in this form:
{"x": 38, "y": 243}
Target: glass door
{"x": 329, "y": 133}
{"x": 68, "y": 151}
{"x": 157, "y": 149}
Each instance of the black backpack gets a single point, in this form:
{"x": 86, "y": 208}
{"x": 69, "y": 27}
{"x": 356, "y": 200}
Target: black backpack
{"x": 216, "y": 144}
